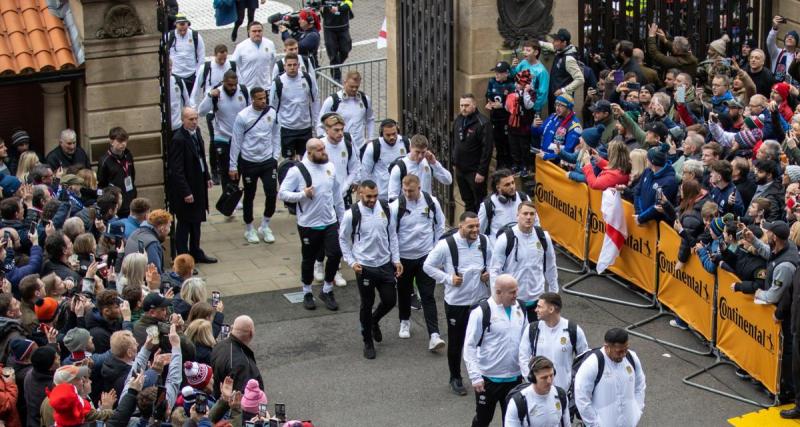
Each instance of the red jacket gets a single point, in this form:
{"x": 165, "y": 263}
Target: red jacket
{"x": 608, "y": 177}
{"x": 8, "y": 404}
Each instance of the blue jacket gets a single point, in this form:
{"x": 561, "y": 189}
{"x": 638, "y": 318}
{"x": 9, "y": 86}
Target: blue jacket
{"x": 708, "y": 254}
{"x": 540, "y": 79}
{"x": 645, "y": 199}
{"x": 720, "y": 197}
{"x": 33, "y": 266}
{"x": 225, "y": 12}
{"x": 130, "y": 223}
{"x": 551, "y": 130}
{"x": 572, "y": 158}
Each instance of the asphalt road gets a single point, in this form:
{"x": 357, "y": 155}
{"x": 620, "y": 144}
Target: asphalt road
{"x": 312, "y": 362}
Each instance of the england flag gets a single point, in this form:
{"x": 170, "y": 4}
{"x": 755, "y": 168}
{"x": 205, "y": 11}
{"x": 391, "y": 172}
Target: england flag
{"x": 616, "y": 229}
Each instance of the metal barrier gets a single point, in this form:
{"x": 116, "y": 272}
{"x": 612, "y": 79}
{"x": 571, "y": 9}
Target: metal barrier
{"x": 373, "y": 83}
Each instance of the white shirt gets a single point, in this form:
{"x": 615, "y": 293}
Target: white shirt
{"x": 554, "y": 344}
{"x": 185, "y": 55}
{"x": 228, "y": 107}
{"x": 543, "y": 410}
{"x": 359, "y": 119}
{"x": 525, "y": 263}
{"x": 375, "y": 241}
{"x": 215, "y": 74}
{"x": 379, "y": 172}
{"x": 439, "y": 266}
{"x": 298, "y": 106}
{"x": 504, "y": 213}
{"x": 497, "y": 355}
{"x": 325, "y": 207}
{"x": 418, "y": 231}
{"x": 254, "y": 62}
{"x": 347, "y": 168}
{"x": 305, "y": 65}
{"x": 261, "y": 143}
{"x": 178, "y": 99}
{"x": 423, "y": 170}
{"x": 618, "y": 399}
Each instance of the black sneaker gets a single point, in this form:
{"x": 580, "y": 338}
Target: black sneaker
{"x": 376, "y": 333}
{"x": 457, "y": 387}
{"x": 415, "y": 304}
{"x": 329, "y": 300}
{"x": 308, "y": 301}
{"x": 215, "y": 179}
{"x": 369, "y": 351}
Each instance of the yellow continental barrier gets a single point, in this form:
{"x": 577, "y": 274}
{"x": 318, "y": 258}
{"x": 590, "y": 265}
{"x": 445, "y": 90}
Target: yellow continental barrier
{"x": 689, "y": 292}
{"x": 747, "y": 333}
{"x": 636, "y": 261}
{"x": 562, "y": 206}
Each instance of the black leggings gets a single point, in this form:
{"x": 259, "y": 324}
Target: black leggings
{"x": 313, "y": 241}
{"x": 241, "y": 5}
{"x": 457, "y": 317}
{"x": 371, "y": 279}
{"x": 251, "y": 173}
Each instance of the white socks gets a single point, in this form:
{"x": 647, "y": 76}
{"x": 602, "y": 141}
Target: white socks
{"x": 307, "y": 289}
{"x": 327, "y": 287}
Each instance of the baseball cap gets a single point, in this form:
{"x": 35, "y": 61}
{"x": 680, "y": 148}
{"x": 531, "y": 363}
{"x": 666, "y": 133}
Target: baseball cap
{"x": 115, "y": 229}
{"x": 181, "y": 17}
{"x": 601, "y": 106}
{"x": 658, "y": 128}
{"x": 562, "y": 34}
{"x": 733, "y": 103}
{"x": 502, "y": 67}
{"x": 779, "y": 228}
{"x": 68, "y": 373}
{"x": 155, "y": 300}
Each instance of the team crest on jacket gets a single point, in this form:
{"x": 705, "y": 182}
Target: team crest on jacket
{"x": 269, "y": 119}
{"x": 402, "y": 151}
{"x": 241, "y": 98}
{"x": 328, "y": 171}
{"x": 558, "y": 405}
{"x": 344, "y": 153}
{"x": 563, "y": 340}
{"x": 427, "y": 169}
{"x": 629, "y": 369}
{"x": 539, "y": 245}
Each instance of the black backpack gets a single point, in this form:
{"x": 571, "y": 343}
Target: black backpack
{"x": 448, "y": 237}
{"x": 401, "y": 208}
{"x": 207, "y": 72}
{"x": 215, "y": 100}
{"x": 348, "y": 144}
{"x": 279, "y": 89}
{"x": 533, "y": 336}
{"x": 338, "y": 100}
{"x": 376, "y": 152}
{"x": 401, "y": 165}
{"x": 283, "y": 170}
{"x": 488, "y": 207}
{"x": 195, "y": 36}
{"x": 486, "y": 321}
{"x": 356, "y": 220}
{"x": 601, "y": 363}
{"x": 522, "y": 404}
{"x": 511, "y": 240}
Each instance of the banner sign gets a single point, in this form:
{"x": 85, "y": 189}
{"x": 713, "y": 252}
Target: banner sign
{"x": 562, "y": 207}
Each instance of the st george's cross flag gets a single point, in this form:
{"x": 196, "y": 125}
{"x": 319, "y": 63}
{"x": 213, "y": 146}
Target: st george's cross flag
{"x": 381, "y": 43}
{"x": 616, "y": 228}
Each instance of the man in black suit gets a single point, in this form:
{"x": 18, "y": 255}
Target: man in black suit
{"x": 189, "y": 180}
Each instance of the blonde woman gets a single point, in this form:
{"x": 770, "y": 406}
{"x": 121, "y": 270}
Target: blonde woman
{"x": 200, "y": 333}
{"x": 27, "y": 161}
{"x": 192, "y": 291}
{"x": 134, "y": 267}
{"x": 638, "y": 166}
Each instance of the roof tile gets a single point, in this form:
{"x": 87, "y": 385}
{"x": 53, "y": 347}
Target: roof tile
{"x": 32, "y": 39}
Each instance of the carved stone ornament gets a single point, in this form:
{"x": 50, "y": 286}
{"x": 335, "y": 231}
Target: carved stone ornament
{"x": 520, "y": 20}
{"x": 120, "y": 21}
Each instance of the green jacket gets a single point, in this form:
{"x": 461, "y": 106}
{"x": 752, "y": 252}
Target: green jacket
{"x": 687, "y": 63}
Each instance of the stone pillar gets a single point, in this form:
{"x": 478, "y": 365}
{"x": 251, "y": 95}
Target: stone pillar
{"x": 122, "y": 88}
{"x": 393, "y": 51}
{"x": 55, "y": 116}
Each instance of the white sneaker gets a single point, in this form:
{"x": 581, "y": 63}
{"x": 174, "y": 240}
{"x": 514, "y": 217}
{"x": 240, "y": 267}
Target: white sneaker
{"x": 239, "y": 206}
{"x": 267, "y": 233}
{"x": 251, "y": 236}
{"x": 319, "y": 272}
{"x": 338, "y": 280}
{"x": 405, "y": 329}
{"x": 436, "y": 343}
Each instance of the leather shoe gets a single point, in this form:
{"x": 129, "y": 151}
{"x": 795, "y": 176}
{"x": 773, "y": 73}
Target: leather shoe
{"x": 791, "y": 414}
{"x": 369, "y": 351}
{"x": 205, "y": 259}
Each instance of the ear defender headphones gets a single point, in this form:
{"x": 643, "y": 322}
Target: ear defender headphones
{"x": 536, "y": 364}
{"x": 386, "y": 123}
{"x": 505, "y": 199}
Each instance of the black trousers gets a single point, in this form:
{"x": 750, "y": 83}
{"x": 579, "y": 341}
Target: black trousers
{"x": 187, "y": 238}
{"x": 412, "y": 270}
{"x": 189, "y": 83}
{"x": 486, "y": 402}
{"x": 221, "y": 153}
{"x": 520, "y": 149}
{"x": 373, "y": 279}
{"x": 293, "y": 142}
{"x": 212, "y": 155}
{"x": 251, "y": 173}
{"x": 241, "y": 5}
{"x": 457, "y": 317}
{"x": 338, "y": 45}
{"x": 500, "y": 134}
{"x": 314, "y": 241}
{"x": 472, "y": 193}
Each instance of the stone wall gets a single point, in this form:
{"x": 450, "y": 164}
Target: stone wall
{"x": 122, "y": 89}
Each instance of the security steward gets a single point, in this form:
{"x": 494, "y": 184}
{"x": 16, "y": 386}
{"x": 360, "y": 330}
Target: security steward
{"x": 338, "y": 43}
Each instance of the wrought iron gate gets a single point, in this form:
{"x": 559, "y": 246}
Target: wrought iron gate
{"x": 162, "y": 14}
{"x": 426, "y": 76}
{"x": 701, "y": 21}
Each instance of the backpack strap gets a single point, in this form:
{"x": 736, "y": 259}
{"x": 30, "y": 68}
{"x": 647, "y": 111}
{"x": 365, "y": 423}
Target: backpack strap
{"x": 486, "y": 321}
{"x": 348, "y": 144}
{"x": 533, "y": 335}
{"x": 401, "y": 209}
{"x": 355, "y": 223}
{"x": 263, "y": 113}
{"x": 280, "y": 66}
{"x": 572, "y": 330}
{"x": 206, "y": 74}
{"x": 307, "y": 77}
{"x": 484, "y": 243}
{"x": 233, "y": 66}
{"x": 511, "y": 240}
{"x": 522, "y": 196}
{"x": 215, "y": 100}
{"x": 388, "y": 213}
{"x": 451, "y": 244}
{"x": 522, "y": 407}
{"x": 543, "y": 240}
{"x": 306, "y": 177}
{"x": 376, "y": 153}
{"x": 246, "y": 94}
{"x": 336, "y": 101}
{"x": 562, "y": 397}
{"x": 364, "y": 100}
{"x": 488, "y": 208}
{"x": 601, "y": 364}
{"x": 195, "y": 37}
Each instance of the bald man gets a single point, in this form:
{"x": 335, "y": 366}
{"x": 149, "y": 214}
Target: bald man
{"x": 188, "y": 181}
{"x": 233, "y": 356}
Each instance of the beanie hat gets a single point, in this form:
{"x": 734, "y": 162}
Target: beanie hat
{"x": 753, "y": 122}
{"x": 523, "y": 77}
{"x": 20, "y": 137}
{"x": 794, "y": 34}
{"x": 793, "y": 172}
{"x": 43, "y": 358}
{"x": 650, "y": 88}
{"x": 716, "y": 226}
{"x": 565, "y": 100}
{"x": 45, "y": 309}
{"x": 591, "y": 136}
{"x": 198, "y": 375}
{"x": 720, "y": 45}
{"x": 22, "y": 348}
{"x": 10, "y": 185}
{"x": 783, "y": 90}
{"x": 69, "y": 409}
{"x": 253, "y": 396}
{"x": 748, "y": 137}
{"x": 658, "y": 155}
{"x": 69, "y": 373}
{"x": 309, "y": 15}
{"x": 76, "y": 339}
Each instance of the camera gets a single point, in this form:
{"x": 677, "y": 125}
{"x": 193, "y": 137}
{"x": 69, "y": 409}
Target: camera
{"x": 321, "y": 4}
{"x": 289, "y": 20}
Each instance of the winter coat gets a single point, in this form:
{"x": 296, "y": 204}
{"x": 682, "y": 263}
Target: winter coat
{"x": 608, "y": 178}
{"x": 188, "y": 176}
{"x": 645, "y": 199}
